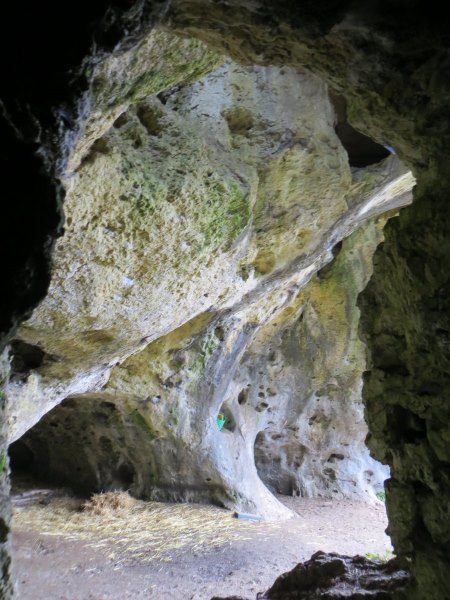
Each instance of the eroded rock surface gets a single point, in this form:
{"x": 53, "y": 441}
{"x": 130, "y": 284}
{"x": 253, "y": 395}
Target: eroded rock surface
{"x": 409, "y": 377}
{"x": 178, "y": 293}
{"x": 304, "y": 370}
{"x": 334, "y": 577}
{"x": 390, "y": 61}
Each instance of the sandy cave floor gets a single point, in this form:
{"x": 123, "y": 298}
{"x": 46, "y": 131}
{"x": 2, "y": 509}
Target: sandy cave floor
{"x": 177, "y": 551}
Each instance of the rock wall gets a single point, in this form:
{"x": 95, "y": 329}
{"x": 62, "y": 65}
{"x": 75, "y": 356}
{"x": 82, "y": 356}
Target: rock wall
{"x": 192, "y": 227}
{"x": 6, "y": 586}
{"x": 391, "y": 63}
{"x": 334, "y": 576}
{"x": 308, "y": 363}
{"x": 291, "y": 383}
{"x": 406, "y": 324}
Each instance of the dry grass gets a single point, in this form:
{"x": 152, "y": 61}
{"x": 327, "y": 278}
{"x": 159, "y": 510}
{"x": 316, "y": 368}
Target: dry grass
{"x": 132, "y": 530}
{"x": 109, "y": 504}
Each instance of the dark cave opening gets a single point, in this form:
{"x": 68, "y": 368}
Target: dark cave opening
{"x": 72, "y": 446}
{"x": 21, "y": 458}
{"x": 26, "y": 357}
{"x": 362, "y": 150}
{"x": 225, "y": 419}
{"x": 269, "y": 458}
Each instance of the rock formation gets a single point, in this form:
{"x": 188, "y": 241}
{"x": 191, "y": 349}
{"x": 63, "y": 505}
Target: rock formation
{"x": 193, "y": 225}
{"x": 61, "y": 96}
{"x": 335, "y": 577}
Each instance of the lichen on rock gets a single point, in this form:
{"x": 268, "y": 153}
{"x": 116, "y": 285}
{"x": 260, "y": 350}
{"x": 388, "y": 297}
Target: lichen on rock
{"x": 193, "y": 225}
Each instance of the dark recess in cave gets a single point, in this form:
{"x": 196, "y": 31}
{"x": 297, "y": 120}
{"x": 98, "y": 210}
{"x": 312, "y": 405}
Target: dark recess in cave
{"x": 73, "y": 446}
{"x": 326, "y": 270}
{"x": 230, "y": 423}
{"x": 268, "y": 467}
{"x": 362, "y": 151}
{"x": 27, "y": 357}
{"x": 21, "y": 458}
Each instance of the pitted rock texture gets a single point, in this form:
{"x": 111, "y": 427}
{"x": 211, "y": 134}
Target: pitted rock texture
{"x": 336, "y": 577}
{"x": 303, "y": 372}
{"x": 195, "y": 220}
{"x": 174, "y": 218}
{"x": 176, "y": 212}
{"x": 384, "y": 59}
{"x": 409, "y": 359}
{"x": 390, "y": 62}
{"x": 152, "y": 428}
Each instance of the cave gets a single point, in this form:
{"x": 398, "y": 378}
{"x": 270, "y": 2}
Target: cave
{"x": 212, "y": 203}
{"x": 71, "y": 446}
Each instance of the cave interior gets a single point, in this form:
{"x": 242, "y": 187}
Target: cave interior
{"x": 74, "y": 96}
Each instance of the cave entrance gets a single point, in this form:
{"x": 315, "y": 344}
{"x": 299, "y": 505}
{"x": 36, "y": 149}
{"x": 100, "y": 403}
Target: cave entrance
{"x": 114, "y": 545}
{"x": 84, "y": 444}
{"x": 75, "y": 446}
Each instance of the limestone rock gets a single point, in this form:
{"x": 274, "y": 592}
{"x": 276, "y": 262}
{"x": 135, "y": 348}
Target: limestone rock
{"x": 167, "y": 201}
{"x": 303, "y": 372}
{"x": 408, "y": 378}
{"x": 172, "y": 213}
{"x": 336, "y": 577}
{"x": 332, "y": 577}
{"x": 391, "y": 61}
{"x": 193, "y": 223}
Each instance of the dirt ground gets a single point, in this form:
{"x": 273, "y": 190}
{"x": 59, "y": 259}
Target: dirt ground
{"x": 177, "y": 552}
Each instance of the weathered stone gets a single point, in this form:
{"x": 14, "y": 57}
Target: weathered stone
{"x": 391, "y": 62}
{"x": 6, "y": 584}
{"x": 308, "y": 361}
{"x": 336, "y": 577}
{"x": 405, "y": 391}
{"x": 196, "y": 220}
{"x": 332, "y": 576}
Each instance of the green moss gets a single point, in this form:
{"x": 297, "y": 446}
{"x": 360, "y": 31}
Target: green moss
{"x": 209, "y": 346}
{"x": 2, "y": 462}
{"x": 216, "y": 209}
{"x": 142, "y": 423}
{"x": 156, "y": 81}
{"x": 381, "y": 557}
{"x": 147, "y": 193}
{"x": 227, "y": 212}
{"x": 164, "y": 62}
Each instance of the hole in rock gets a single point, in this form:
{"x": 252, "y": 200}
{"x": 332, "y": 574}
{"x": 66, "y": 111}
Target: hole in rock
{"x": 25, "y": 357}
{"x": 152, "y": 438}
{"x": 361, "y": 149}
{"x": 21, "y": 457}
{"x": 240, "y": 120}
{"x": 77, "y": 445}
{"x": 151, "y": 118}
{"x": 327, "y": 269}
{"x": 243, "y": 396}
{"x": 225, "y": 419}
